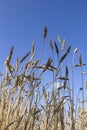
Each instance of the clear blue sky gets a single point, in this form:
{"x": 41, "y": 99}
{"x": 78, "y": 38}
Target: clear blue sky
{"x": 22, "y": 21}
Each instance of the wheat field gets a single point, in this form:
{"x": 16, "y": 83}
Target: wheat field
{"x": 26, "y": 104}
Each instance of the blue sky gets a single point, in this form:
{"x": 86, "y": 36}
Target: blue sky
{"x": 22, "y": 21}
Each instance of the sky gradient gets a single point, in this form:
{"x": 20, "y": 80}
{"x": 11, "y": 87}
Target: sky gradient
{"x": 22, "y": 21}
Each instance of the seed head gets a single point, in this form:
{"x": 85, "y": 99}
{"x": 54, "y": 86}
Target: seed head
{"x": 45, "y": 32}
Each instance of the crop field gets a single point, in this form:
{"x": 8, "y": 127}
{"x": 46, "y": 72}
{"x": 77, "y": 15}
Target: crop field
{"x": 27, "y": 104}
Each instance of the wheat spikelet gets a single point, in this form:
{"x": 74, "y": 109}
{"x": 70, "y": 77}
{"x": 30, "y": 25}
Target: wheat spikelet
{"x": 48, "y": 63}
{"x": 32, "y": 47}
{"x": 8, "y": 59}
{"x": 63, "y": 45}
{"x": 60, "y": 40}
{"x": 29, "y": 63}
{"x": 64, "y": 56}
{"x": 35, "y": 63}
{"x": 51, "y": 45}
{"x": 76, "y": 50}
{"x": 10, "y": 55}
{"x": 24, "y": 57}
{"x": 56, "y": 47}
{"x": 45, "y": 32}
